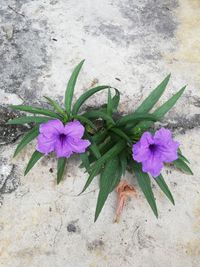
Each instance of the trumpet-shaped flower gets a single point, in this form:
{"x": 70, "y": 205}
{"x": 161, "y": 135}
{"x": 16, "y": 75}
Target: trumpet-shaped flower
{"x": 63, "y": 139}
{"x": 153, "y": 151}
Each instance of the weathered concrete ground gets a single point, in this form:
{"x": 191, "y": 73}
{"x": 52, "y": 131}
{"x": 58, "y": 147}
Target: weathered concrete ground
{"x": 131, "y": 45}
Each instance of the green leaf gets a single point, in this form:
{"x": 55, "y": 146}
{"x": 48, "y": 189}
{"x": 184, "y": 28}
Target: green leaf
{"x": 94, "y": 170}
{"x": 33, "y": 160}
{"x": 90, "y": 178}
{"x": 180, "y": 154}
{"x": 87, "y": 95}
{"x": 180, "y": 164}
{"x": 145, "y": 184}
{"x": 109, "y": 105}
{"x": 115, "y": 100}
{"x": 28, "y": 119}
{"x": 85, "y": 161}
{"x": 95, "y": 114}
{"x": 163, "y": 186}
{"x": 85, "y": 120}
{"x": 123, "y": 161}
{"x": 121, "y": 134}
{"x": 35, "y": 110}
{"x": 106, "y": 183}
{"x": 100, "y": 137}
{"x": 32, "y": 134}
{"x": 60, "y": 169}
{"x": 153, "y": 98}
{"x": 114, "y": 151}
{"x": 55, "y": 105}
{"x": 95, "y": 151}
{"x": 131, "y": 118}
{"x": 161, "y": 111}
{"x": 70, "y": 87}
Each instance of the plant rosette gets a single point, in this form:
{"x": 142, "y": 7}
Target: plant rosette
{"x": 108, "y": 144}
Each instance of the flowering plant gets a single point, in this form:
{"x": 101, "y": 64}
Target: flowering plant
{"x": 108, "y": 143}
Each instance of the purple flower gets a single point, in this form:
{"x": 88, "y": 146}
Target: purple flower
{"x": 153, "y": 151}
{"x": 63, "y": 139}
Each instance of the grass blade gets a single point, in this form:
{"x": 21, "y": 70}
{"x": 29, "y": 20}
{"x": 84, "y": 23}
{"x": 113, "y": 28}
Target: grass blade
{"x": 163, "y": 186}
{"x": 32, "y": 134}
{"x": 145, "y": 185}
{"x": 60, "y": 169}
{"x": 70, "y": 87}
{"x": 33, "y": 160}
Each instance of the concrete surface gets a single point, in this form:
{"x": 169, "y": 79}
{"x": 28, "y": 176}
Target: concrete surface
{"x": 138, "y": 42}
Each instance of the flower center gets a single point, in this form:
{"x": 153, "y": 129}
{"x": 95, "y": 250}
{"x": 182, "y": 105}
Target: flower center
{"x": 152, "y": 147}
{"x": 62, "y": 138}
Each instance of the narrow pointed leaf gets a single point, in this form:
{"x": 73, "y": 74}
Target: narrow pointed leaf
{"x": 180, "y": 154}
{"x": 180, "y": 164}
{"x": 28, "y": 119}
{"x": 109, "y": 105}
{"x": 163, "y": 186}
{"x": 123, "y": 161}
{"x": 81, "y": 100}
{"x": 90, "y": 178}
{"x": 32, "y": 134}
{"x": 55, "y": 105}
{"x": 145, "y": 185}
{"x": 94, "y": 170}
{"x": 153, "y": 98}
{"x": 85, "y": 161}
{"x": 95, "y": 114}
{"x": 106, "y": 184}
{"x": 70, "y": 87}
{"x": 85, "y": 120}
{"x": 100, "y": 137}
{"x": 35, "y": 110}
{"x": 131, "y": 118}
{"x": 115, "y": 100}
{"x": 121, "y": 134}
{"x": 33, "y": 160}
{"x": 161, "y": 111}
{"x": 60, "y": 169}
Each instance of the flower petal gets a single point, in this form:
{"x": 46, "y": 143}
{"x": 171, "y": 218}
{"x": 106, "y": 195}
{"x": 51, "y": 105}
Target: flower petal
{"x": 78, "y": 145}
{"x": 62, "y": 149}
{"x": 166, "y": 145}
{"x": 52, "y": 128}
{"x": 162, "y": 136}
{"x": 169, "y": 152}
{"x": 74, "y": 129}
{"x": 153, "y": 165}
{"x": 45, "y": 145}
{"x": 146, "y": 139}
{"x": 140, "y": 153}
